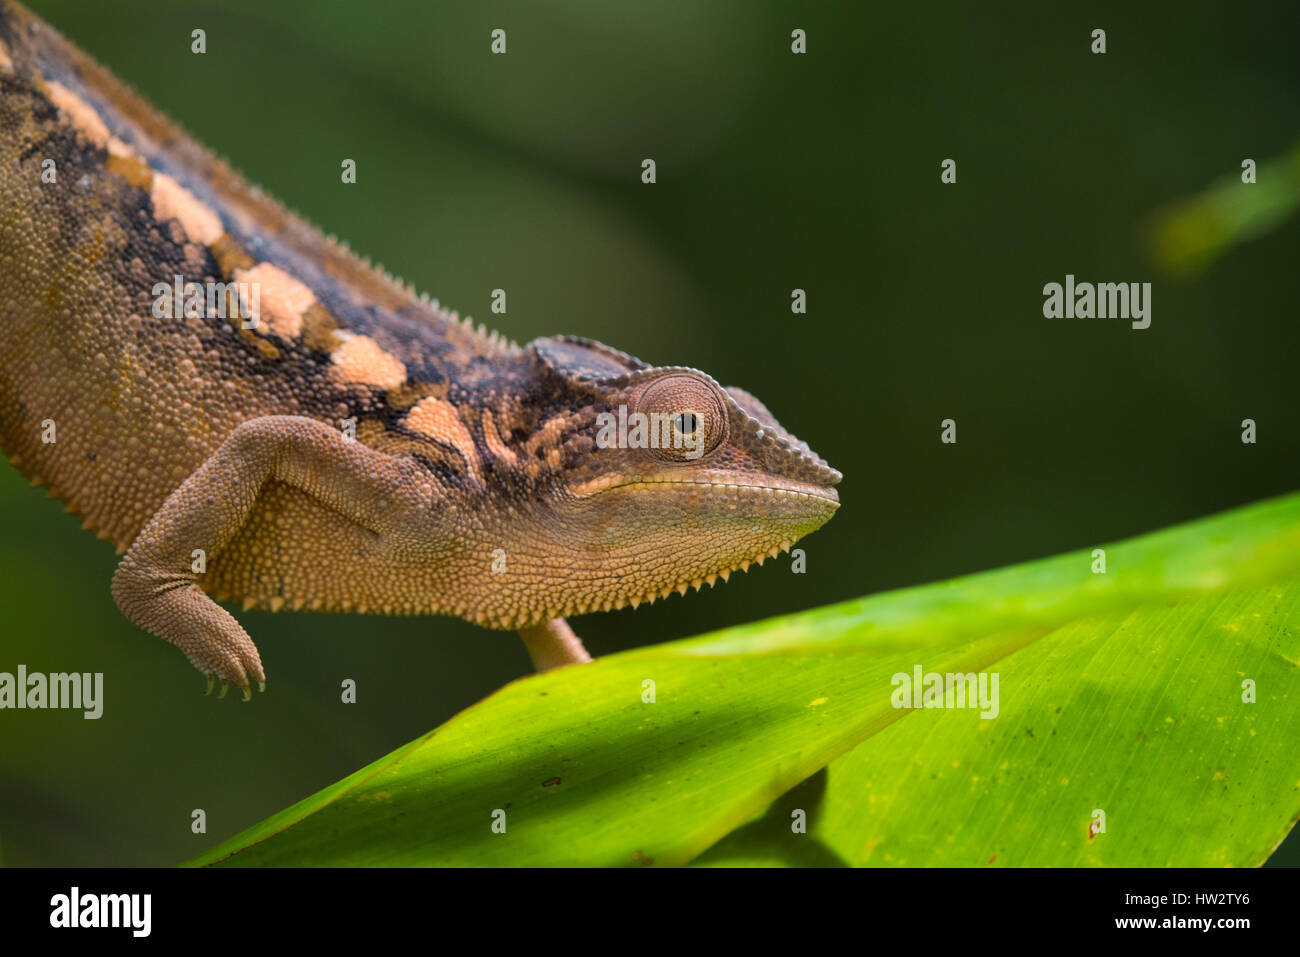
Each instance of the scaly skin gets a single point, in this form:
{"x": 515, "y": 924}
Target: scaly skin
{"x": 359, "y": 448}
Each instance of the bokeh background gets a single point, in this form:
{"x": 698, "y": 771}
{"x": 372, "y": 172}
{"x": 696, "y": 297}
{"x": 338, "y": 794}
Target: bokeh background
{"x": 775, "y": 171}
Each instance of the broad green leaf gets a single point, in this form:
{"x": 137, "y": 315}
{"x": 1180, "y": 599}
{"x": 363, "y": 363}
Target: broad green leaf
{"x": 587, "y": 772}
{"x": 1139, "y": 715}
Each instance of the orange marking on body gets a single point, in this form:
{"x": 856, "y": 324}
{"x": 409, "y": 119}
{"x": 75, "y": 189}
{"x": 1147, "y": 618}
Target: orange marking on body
{"x": 493, "y": 439}
{"x": 284, "y": 299}
{"x": 171, "y": 200}
{"x": 360, "y": 361}
{"x": 548, "y": 436}
{"x": 439, "y": 420}
{"x": 79, "y": 113}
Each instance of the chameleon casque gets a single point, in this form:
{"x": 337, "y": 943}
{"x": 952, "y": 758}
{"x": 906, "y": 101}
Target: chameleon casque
{"x": 358, "y": 448}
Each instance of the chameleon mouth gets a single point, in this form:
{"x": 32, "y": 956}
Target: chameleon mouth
{"x": 778, "y": 490}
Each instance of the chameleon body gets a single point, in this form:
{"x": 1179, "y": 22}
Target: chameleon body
{"x": 347, "y": 444}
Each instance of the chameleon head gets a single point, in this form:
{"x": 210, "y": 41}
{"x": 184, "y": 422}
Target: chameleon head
{"x": 665, "y": 480}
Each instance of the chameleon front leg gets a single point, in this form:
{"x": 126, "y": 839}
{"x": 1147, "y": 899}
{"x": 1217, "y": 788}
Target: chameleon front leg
{"x": 155, "y": 585}
{"x": 553, "y": 643}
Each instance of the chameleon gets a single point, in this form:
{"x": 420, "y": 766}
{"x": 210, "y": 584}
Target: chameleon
{"x": 252, "y": 414}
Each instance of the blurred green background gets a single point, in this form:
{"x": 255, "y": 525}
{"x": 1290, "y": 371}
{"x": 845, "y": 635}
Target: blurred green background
{"x": 775, "y": 171}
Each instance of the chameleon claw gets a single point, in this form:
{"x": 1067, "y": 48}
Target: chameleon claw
{"x": 261, "y": 686}
{"x": 248, "y": 694}
{"x": 211, "y": 681}
{"x": 225, "y": 686}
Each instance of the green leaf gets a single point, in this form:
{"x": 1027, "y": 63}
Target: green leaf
{"x": 587, "y": 772}
{"x": 1138, "y": 715}
{"x": 1188, "y": 235}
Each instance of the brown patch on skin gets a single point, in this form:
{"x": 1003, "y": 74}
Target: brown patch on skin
{"x": 319, "y": 328}
{"x": 409, "y": 393}
{"x": 171, "y": 200}
{"x": 266, "y": 348}
{"x": 371, "y": 432}
{"x": 230, "y": 255}
{"x": 283, "y": 298}
{"x": 439, "y": 420}
{"x": 360, "y": 361}
{"x": 129, "y": 165}
{"x": 6, "y": 64}
{"x": 493, "y": 439}
{"x": 79, "y": 113}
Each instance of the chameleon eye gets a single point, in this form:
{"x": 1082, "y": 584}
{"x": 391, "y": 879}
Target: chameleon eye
{"x": 686, "y": 414}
